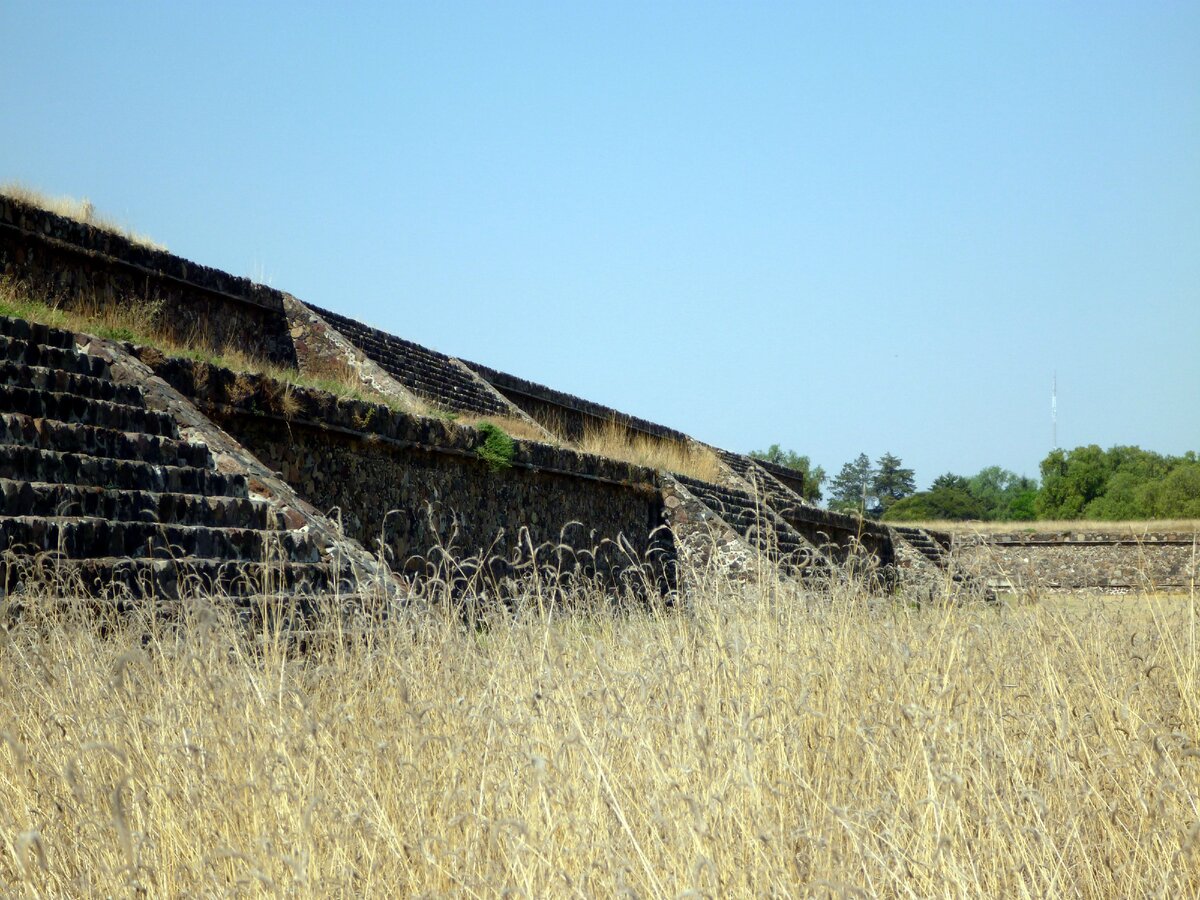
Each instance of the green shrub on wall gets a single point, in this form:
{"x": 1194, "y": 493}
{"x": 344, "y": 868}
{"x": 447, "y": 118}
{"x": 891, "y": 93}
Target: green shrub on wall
{"x": 497, "y": 447}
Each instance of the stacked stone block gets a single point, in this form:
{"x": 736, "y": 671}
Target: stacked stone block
{"x": 566, "y": 414}
{"x": 81, "y": 266}
{"x": 924, "y": 543}
{"x": 425, "y": 372}
{"x": 755, "y": 521}
{"x": 101, "y": 487}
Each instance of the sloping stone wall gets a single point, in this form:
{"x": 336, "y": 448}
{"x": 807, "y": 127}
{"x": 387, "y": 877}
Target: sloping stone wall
{"x": 565, "y": 414}
{"x": 80, "y": 266}
{"x": 324, "y": 352}
{"x": 410, "y": 485}
{"x": 426, "y": 372}
{"x": 790, "y": 477}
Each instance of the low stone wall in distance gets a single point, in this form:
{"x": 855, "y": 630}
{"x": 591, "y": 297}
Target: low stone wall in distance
{"x": 79, "y": 266}
{"x": 414, "y": 484}
{"x": 1080, "y": 560}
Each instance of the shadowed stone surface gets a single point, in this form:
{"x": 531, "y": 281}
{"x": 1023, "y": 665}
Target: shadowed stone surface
{"x": 109, "y": 490}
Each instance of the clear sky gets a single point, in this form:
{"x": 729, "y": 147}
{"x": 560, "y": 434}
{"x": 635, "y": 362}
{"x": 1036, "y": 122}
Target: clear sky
{"x": 837, "y": 227}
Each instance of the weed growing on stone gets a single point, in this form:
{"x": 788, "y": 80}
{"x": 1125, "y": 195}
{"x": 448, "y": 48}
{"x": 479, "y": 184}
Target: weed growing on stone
{"x": 496, "y": 448}
{"x": 522, "y": 429}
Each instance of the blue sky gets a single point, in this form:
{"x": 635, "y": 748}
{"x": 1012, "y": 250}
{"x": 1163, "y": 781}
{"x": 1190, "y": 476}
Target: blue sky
{"x": 836, "y": 227}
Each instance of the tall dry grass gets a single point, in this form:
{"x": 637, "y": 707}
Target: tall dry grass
{"x": 614, "y": 440}
{"x": 756, "y": 740}
{"x": 78, "y": 209}
{"x": 522, "y": 429}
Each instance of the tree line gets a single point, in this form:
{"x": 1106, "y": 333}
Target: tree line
{"x": 1121, "y": 483}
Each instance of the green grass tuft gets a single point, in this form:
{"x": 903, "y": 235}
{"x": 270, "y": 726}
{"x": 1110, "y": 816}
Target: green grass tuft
{"x": 497, "y": 447}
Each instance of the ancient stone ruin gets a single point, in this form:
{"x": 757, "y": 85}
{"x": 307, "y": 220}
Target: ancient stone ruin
{"x": 139, "y": 468}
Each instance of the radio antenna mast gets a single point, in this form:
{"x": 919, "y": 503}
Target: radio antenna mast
{"x": 1054, "y": 410}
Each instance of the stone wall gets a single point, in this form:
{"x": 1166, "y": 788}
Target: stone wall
{"x": 324, "y": 352}
{"x": 413, "y": 484}
{"x": 79, "y": 266}
{"x": 838, "y": 535}
{"x": 841, "y": 535}
{"x": 1080, "y": 560}
{"x": 564, "y": 414}
{"x": 432, "y": 375}
{"x": 790, "y": 477}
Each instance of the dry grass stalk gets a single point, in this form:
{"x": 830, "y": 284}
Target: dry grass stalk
{"x": 141, "y": 323}
{"x": 521, "y": 429}
{"x": 78, "y": 210}
{"x": 614, "y": 440}
{"x": 762, "y": 740}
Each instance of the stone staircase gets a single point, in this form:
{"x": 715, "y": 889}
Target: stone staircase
{"x": 937, "y": 556}
{"x": 426, "y": 372}
{"x": 920, "y": 541}
{"x": 95, "y": 486}
{"x": 779, "y": 497}
{"x": 759, "y": 525}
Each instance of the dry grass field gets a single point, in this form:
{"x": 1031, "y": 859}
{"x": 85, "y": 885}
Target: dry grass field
{"x": 1150, "y": 526}
{"x": 759, "y": 740}
{"x": 615, "y": 441}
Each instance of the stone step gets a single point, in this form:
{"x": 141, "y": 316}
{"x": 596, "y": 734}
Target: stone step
{"x": 727, "y": 497}
{"x": 66, "y": 437}
{"x": 68, "y": 360}
{"x": 755, "y": 522}
{"x": 780, "y": 500}
{"x": 776, "y": 493}
{"x": 85, "y": 411}
{"x": 735, "y": 461}
{"x": 439, "y": 380}
{"x": 423, "y": 371}
{"x": 41, "y": 378}
{"x": 89, "y": 538}
{"x": 924, "y": 544}
{"x": 37, "y": 333}
{"x": 26, "y": 498}
{"x": 35, "y": 464}
{"x": 439, "y": 384}
{"x": 121, "y": 577}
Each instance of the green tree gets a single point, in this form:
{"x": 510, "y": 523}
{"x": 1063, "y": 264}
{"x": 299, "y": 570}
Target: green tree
{"x": 891, "y": 482}
{"x": 940, "y": 503}
{"x": 995, "y": 489}
{"x": 1070, "y": 481}
{"x": 852, "y": 490}
{"x": 1125, "y": 497}
{"x": 1022, "y": 507}
{"x": 1123, "y": 482}
{"x": 1178, "y": 495}
{"x": 951, "y": 481}
{"x": 814, "y": 476}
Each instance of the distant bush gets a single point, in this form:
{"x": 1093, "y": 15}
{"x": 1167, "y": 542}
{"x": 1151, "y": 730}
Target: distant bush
{"x": 942, "y": 503}
{"x": 1120, "y": 483}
